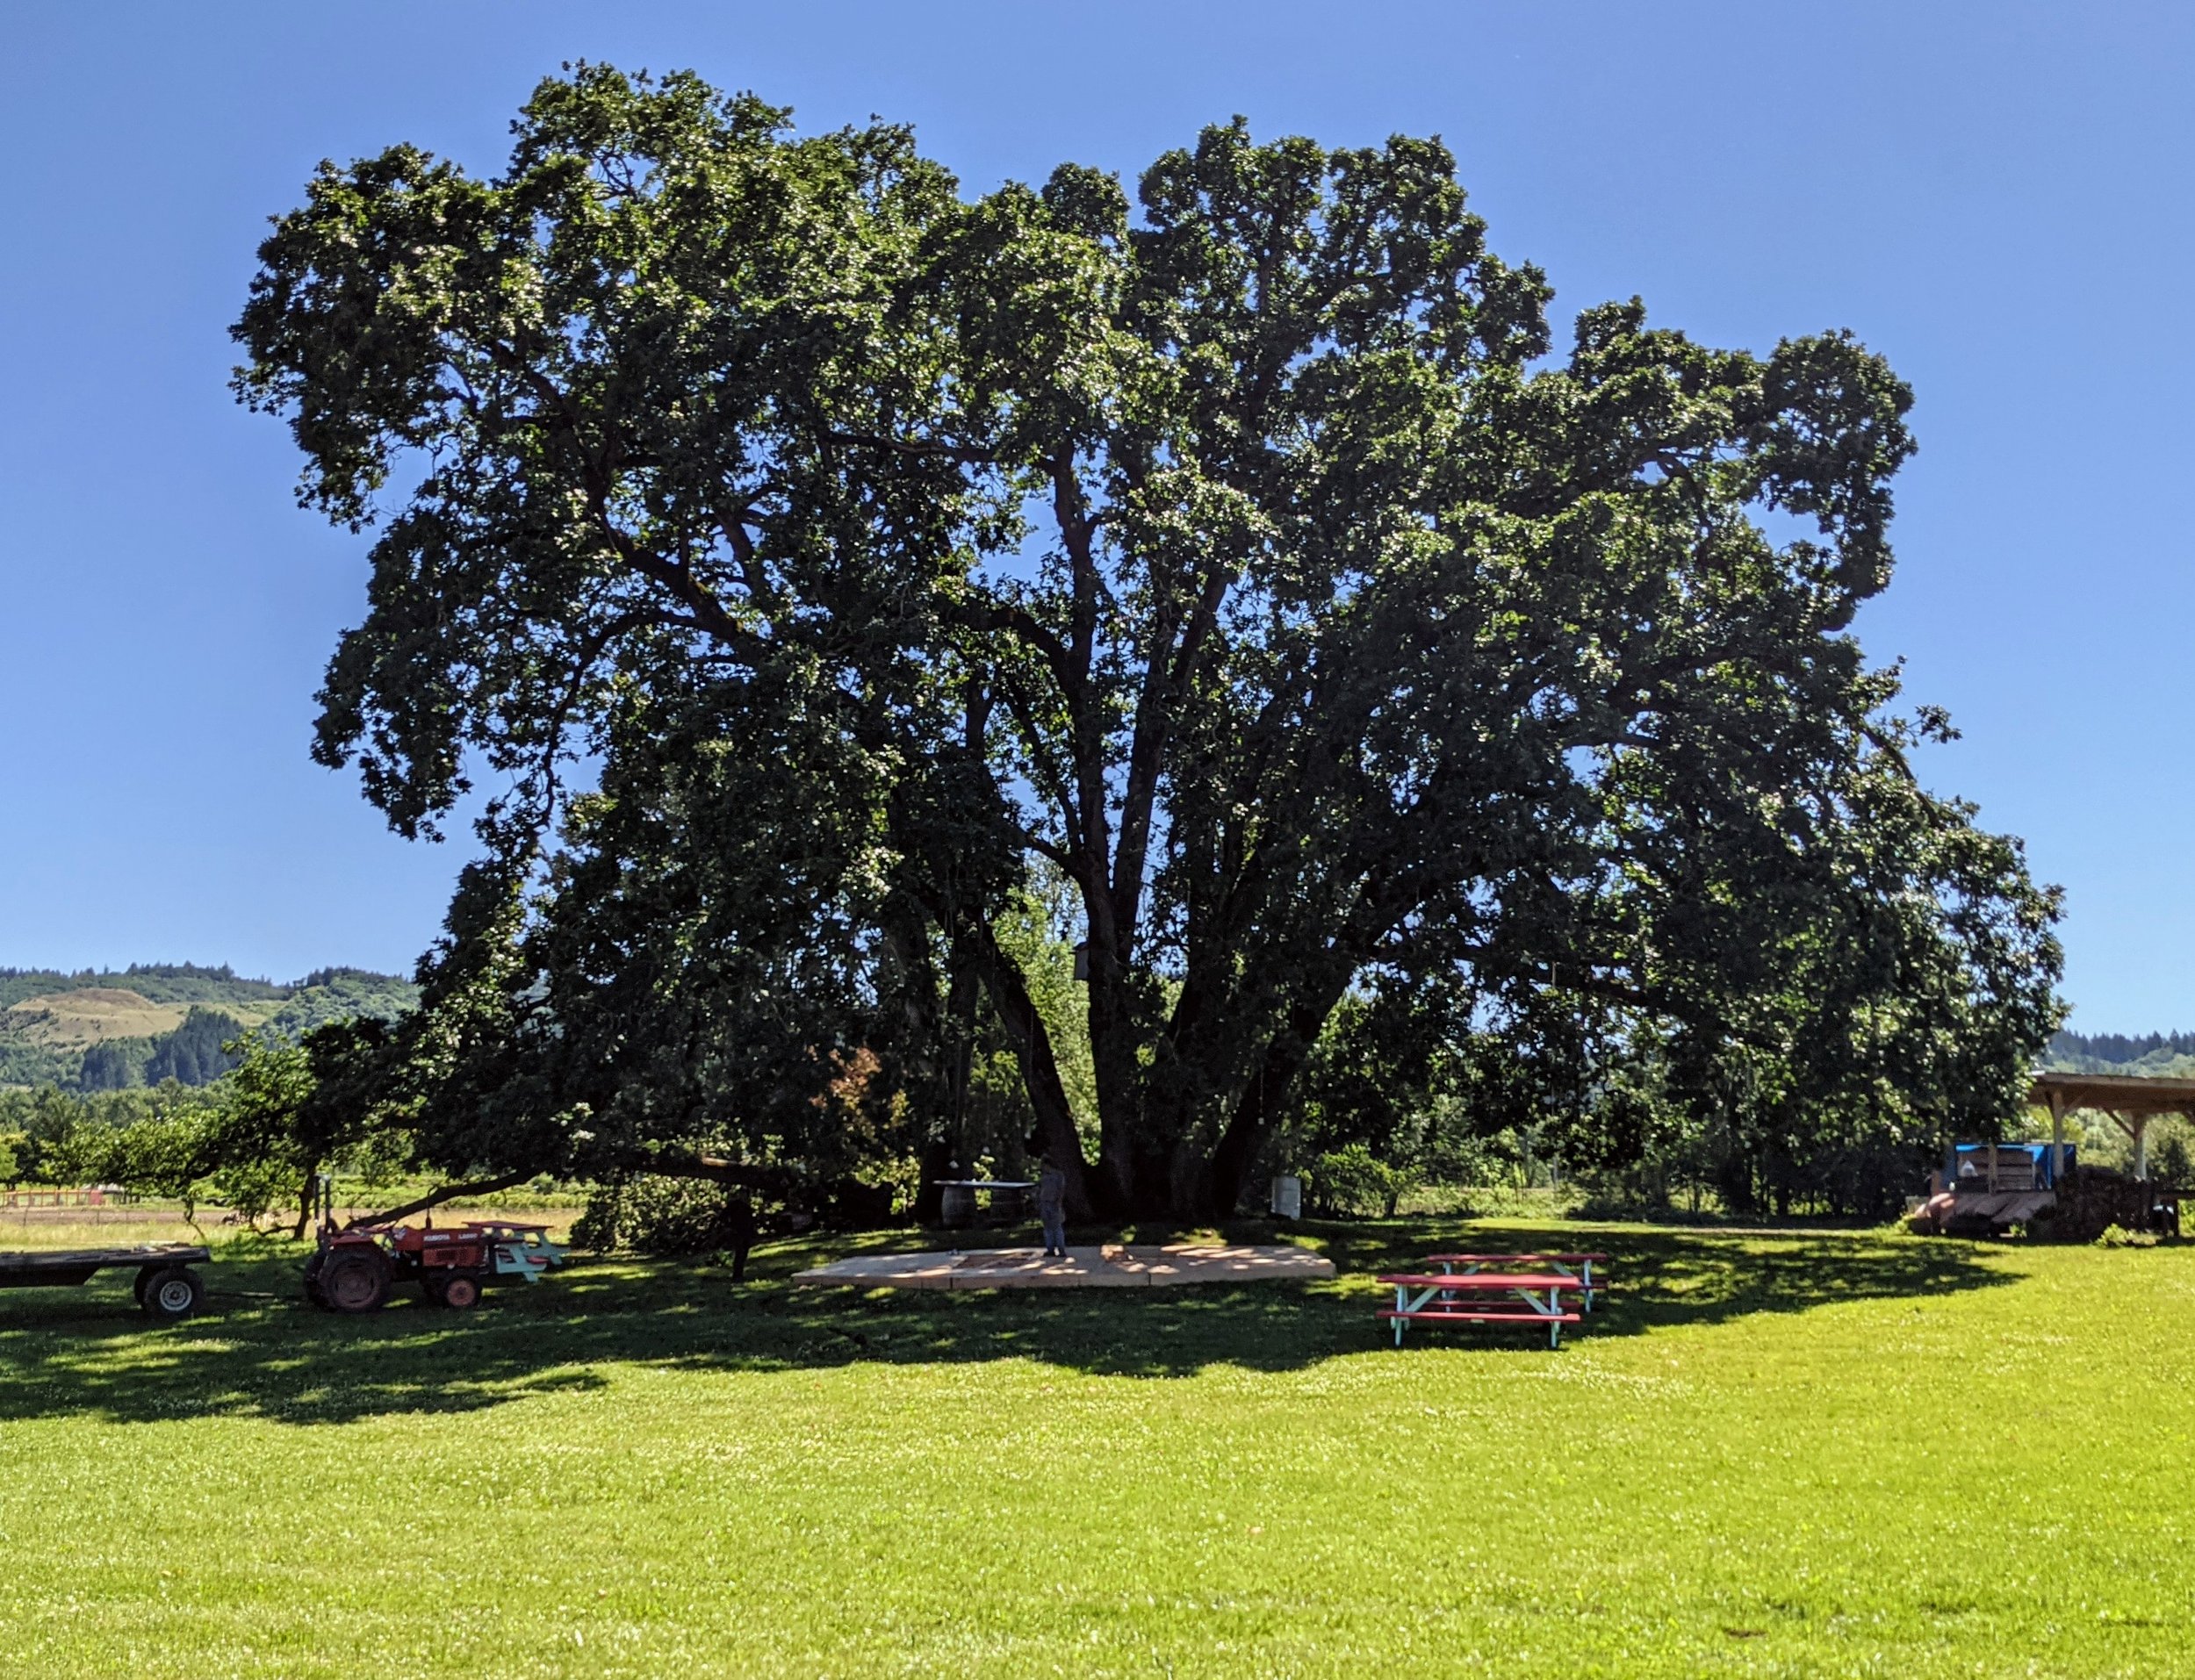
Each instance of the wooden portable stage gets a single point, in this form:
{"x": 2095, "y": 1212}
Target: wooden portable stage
{"x": 1112, "y": 1266}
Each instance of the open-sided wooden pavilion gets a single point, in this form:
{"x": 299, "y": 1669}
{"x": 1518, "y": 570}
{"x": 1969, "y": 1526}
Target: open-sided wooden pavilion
{"x": 2131, "y": 1101}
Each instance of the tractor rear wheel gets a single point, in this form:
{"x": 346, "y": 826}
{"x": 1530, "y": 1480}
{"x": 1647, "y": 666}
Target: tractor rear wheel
{"x": 173, "y": 1292}
{"x": 457, "y": 1291}
{"x": 358, "y": 1281}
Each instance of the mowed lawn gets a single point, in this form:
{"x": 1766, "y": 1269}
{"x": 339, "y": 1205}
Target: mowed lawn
{"x": 1768, "y": 1455}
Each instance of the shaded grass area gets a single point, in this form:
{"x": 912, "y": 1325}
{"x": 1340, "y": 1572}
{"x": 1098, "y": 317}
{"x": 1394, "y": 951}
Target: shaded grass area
{"x": 257, "y": 1353}
{"x": 1767, "y": 1454}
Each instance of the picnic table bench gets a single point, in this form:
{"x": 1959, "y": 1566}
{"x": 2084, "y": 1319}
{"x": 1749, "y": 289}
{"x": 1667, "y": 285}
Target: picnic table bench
{"x": 1444, "y": 1297}
{"x": 1578, "y": 1266}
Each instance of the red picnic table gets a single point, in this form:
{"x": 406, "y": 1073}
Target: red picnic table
{"x": 1445, "y": 1298}
{"x": 1578, "y": 1266}
{"x": 1494, "y": 1288}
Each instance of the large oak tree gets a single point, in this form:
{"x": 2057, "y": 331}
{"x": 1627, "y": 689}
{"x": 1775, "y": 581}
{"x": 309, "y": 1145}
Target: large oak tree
{"x": 1244, "y": 549}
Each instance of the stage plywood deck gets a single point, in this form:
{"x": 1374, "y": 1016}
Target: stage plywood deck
{"x": 1113, "y": 1266}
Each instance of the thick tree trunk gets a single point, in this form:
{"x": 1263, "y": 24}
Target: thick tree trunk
{"x": 1026, "y": 1030}
{"x": 1206, "y": 1071}
{"x": 935, "y": 1164}
{"x": 946, "y": 1153}
{"x": 309, "y": 1192}
{"x": 1117, "y": 1039}
{"x": 938, "y": 1090}
{"x": 1263, "y": 1100}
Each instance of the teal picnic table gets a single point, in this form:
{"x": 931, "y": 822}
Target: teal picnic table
{"x": 1578, "y": 1266}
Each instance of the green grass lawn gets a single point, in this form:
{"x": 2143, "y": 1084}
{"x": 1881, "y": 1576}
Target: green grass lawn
{"x": 1797, "y": 1454}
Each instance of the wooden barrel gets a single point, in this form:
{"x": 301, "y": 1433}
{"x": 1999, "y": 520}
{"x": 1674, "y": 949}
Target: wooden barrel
{"x": 957, "y": 1207}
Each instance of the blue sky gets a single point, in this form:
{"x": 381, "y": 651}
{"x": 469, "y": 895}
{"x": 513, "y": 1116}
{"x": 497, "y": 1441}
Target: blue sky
{"x": 1994, "y": 195}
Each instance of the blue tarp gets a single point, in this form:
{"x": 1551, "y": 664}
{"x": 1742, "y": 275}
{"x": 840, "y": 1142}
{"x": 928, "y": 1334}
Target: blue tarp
{"x": 2039, "y": 1153}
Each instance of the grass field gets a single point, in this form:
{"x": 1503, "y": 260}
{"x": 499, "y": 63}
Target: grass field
{"x": 1802, "y": 1454}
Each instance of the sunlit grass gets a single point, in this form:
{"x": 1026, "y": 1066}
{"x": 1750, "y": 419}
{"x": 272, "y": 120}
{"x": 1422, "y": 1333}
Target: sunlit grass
{"x": 49, "y": 1228}
{"x": 1816, "y": 1454}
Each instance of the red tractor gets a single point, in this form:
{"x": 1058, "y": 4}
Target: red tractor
{"x": 355, "y": 1268}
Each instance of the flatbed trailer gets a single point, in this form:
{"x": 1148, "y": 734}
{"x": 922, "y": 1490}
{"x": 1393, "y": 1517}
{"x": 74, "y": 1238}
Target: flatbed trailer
{"x": 166, "y": 1287}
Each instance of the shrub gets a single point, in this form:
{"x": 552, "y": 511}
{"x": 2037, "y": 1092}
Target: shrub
{"x": 1354, "y": 1183}
{"x": 646, "y": 1215}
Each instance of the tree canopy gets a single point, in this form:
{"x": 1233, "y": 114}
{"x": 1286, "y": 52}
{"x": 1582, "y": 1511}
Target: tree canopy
{"x": 804, "y": 552}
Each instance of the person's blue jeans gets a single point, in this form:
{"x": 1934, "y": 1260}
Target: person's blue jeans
{"x": 1054, "y": 1230}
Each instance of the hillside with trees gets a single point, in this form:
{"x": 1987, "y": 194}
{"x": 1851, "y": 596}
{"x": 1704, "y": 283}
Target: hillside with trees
{"x": 159, "y": 982}
{"x": 111, "y": 1030}
{"x": 2151, "y": 1053}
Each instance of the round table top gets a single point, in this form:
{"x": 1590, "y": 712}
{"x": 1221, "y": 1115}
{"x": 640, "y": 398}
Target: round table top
{"x": 985, "y": 1183}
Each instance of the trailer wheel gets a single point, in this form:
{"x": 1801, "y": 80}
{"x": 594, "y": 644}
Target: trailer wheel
{"x": 457, "y": 1291}
{"x": 172, "y": 1292}
{"x": 355, "y": 1283}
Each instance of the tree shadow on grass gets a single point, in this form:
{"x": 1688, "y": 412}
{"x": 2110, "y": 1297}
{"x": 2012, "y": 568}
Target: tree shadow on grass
{"x": 260, "y": 1351}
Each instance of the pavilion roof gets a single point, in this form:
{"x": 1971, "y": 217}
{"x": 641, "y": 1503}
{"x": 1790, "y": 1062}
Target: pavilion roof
{"x": 2114, "y": 1092}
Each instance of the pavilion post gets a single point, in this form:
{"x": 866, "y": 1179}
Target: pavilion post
{"x": 2057, "y": 1138}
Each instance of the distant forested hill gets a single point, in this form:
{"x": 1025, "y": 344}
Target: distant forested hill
{"x": 159, "y": 982}
{"x": 155, "y": 1020}
{"x": 2153, "y": 1053}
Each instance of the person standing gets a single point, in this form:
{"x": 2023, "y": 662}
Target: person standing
{"x": 1052, "y": 1207}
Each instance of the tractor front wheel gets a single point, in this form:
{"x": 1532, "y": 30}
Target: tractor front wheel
{"x": 457, "y": 1291}
{"x": 172, "y": 1292}
{"x": 355, "y": 1283}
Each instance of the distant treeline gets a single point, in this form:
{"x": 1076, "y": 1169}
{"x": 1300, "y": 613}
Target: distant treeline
{"x": 169, "y": 982}
{"x": 2120, "y": 1047}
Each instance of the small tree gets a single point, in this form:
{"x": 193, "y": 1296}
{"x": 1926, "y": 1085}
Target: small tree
{"x": 2173, "y": 1169}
